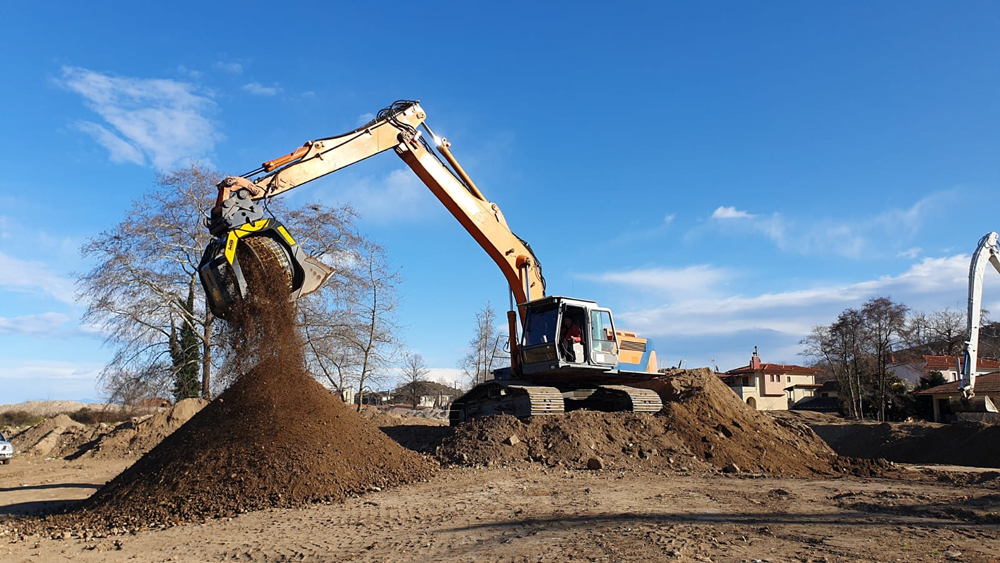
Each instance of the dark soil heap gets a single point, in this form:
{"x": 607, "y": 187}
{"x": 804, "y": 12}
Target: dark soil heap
{"x": 275, "y": 438}
{"x": 703, "y": 425}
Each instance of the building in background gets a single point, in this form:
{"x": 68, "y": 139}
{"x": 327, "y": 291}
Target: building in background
{"x": 767, "y": 387}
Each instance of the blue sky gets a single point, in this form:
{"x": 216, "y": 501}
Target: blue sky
{"x": 721, "y": 174}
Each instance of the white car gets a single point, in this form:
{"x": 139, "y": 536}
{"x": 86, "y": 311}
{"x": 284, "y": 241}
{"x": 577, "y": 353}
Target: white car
{"x": 6, "y": 449}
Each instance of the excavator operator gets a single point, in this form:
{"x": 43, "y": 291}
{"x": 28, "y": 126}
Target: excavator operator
{"x": 570, "y": 335}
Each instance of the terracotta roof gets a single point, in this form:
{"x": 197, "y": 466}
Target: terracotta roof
{"x": 781, "y": 369}
{"x": 942, "y": 363}
{"x": 988, "y": 383}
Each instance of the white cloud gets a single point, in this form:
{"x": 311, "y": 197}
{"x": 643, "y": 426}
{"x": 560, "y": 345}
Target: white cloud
{"x": 159, "y": 120}
{"x": 399, "y": 196}
{"x": 878, "y": 235}
{"x": 36, "y": 278}
{"x": 232, "y": 67}
{"x": 668, "y": 281}
{"x": 700, "y": 307}
{"x": 364, "y": 118}
{"x": 41, "y": 380}
{"x": 258, "y": 89}
{"x": 43, "y": 369}
{"x": 669, "y": 218}
{"x": 120, "y": 149}
{"x": 730, "y": 213}
{"x": 190, "y": 72}
{"x": 910, "y": 253}
{"x": 44, "y": 325}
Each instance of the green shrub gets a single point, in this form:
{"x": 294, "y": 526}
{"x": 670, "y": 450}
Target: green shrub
{"x": 87, "y": 415}
{"x": 19, "y": 418}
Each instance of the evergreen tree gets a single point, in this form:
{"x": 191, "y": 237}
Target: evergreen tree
{"x": 185, "y": 352}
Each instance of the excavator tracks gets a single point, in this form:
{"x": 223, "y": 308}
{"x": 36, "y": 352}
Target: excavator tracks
{"x": 510, "y": 397}
{"x": 624, "y": 398}
{"x": 522, "y": 399}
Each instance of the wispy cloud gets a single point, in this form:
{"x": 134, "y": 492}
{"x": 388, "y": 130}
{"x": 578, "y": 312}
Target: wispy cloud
{"x": 670, "y": 282}
{"x": 730, "y": 213}
{"x": 42, "y": 369}
{"x": 870, "y": 236}
{"x": 398, "y": 196}
{"x": 364, "y": 118}
{"x": 258, "y": 89}
{"x": 35, "y": 278}
{"x": 161, "y": 121}
{"x": 41, "y": 380}
{"x": 231, "y": 67}
{"x": 701, "y": 306}
{"x": 44, "y": 325}
{"x": 120, "y": 149}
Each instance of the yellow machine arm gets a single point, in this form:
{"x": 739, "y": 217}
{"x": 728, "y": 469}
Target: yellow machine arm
{"x": 396, "y": 128}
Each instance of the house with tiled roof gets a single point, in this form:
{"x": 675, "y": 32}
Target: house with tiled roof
{"x": 767, "y": 387}
{"x": 986, "y": 385}
{"x": 920, "y": 366}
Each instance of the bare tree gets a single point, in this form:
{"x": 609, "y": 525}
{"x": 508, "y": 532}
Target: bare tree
{"x": 146, "y": 271}
{"x": 144, "y": 292}
{"x": 883, "y": 320}
{"x": 486, "y": 349}
{"x": 414, "y": 378}
{"x": 857, "y": 350}
{"x": 941, "y": 332}
{"x": 368, "y": 327}
{"x": 840, "y": 349}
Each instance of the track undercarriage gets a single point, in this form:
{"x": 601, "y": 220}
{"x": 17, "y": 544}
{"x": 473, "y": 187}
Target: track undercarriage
{"x": 523, "y": 399}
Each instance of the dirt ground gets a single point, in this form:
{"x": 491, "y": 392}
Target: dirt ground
{"x": 537, "y": 513}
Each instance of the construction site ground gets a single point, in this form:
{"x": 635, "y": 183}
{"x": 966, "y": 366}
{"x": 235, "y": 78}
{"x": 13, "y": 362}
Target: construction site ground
{"x": 506, "y": 509}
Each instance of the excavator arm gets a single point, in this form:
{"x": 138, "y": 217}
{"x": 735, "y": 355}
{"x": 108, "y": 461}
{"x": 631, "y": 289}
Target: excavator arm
{"x": 988, "y": 251}
{"x": 237, "y": 213}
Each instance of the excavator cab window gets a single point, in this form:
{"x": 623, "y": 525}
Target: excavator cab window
{"x": 541, "y": 326}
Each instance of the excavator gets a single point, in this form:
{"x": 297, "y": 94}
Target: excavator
{"x": 988, "y": 251}
{"x": 549, "y": 373}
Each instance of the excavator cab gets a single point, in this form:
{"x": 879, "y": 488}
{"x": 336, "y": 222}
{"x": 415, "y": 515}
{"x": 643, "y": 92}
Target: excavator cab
{"x": 560, "y": 333}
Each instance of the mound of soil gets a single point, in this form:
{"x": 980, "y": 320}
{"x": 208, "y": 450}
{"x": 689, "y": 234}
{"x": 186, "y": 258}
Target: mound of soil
{"x": 702, "y": 425}
{"x": 49, "y": 437}
{"x": 275, "y": 438}
{"x": 132, "y": 439}
{"x": 575, "y": 440}
{"x": 719, "y": 428}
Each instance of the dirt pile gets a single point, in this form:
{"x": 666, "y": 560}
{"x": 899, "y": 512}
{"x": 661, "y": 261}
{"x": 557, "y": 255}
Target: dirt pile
{"x": 703, "y": 425}
{"x": 572, "y": 440}
{"x": 721, "y": 429}
{"x": 275, "y": 438}
{"x": 134, "y": 438}
{"x": 50, "y": 408}
{"x": 51, "y": 437}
